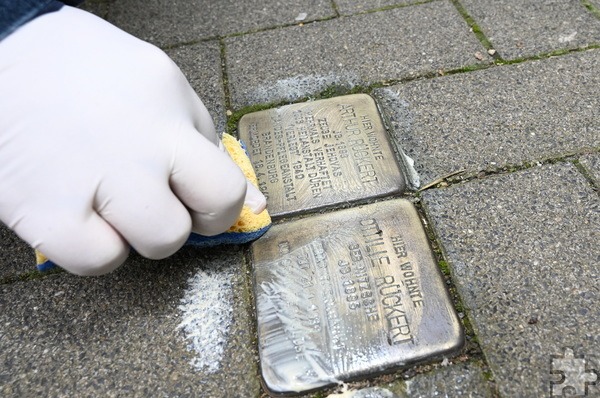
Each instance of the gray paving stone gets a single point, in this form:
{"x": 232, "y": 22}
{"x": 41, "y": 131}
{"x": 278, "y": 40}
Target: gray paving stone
{"x": 456, "y": 381}
{"x": 346, "y": 7}
{"x": 117, "y": 335}
{"x": 499, "y": 116}
{"x": 528, "y": 27}
{"x": 96, "y": 7}
{"x": 201, "y": 65}
{"x": 591, "y": 163}
{"x": 523, "y": 251}
{"x": 164, "y": 22}
{"x": 299, "y": 61}
{"x": 372, "y": 392}
{"x": 16, "y": 256}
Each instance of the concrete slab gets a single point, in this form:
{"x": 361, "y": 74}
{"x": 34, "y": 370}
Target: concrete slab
{"x": 16, "y": 256}
{"x": 500, "y": 116}
{"x": 346, "y": 7}
{"x": 300, "y": 61}
{"x": 591, "y": 163}
{"x": 464, "y": 380}
{"x": 523, "y": 252}
{"x": 96, "y": 7}
{"x": 166, "y": 23}
{"x": 119, "y": 334}
{"x": 201, "y": 65}
{"x": 369, "y": 392}
{"x": 525, "y": 28}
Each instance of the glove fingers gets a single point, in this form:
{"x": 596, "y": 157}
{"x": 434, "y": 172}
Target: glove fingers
{"x": 79, "y": 241}
{"x": 201, "y": 118}
{"x": 209, "y": 183}
{"x": 255, "y": 200}
{"x": 146, "y": 213}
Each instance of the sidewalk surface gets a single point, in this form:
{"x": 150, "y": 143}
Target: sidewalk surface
{"x": 506, "y": 90}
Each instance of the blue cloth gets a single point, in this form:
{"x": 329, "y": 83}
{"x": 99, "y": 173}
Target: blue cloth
{"x": 14, "y": 13}
{"x": 195, "y": 240}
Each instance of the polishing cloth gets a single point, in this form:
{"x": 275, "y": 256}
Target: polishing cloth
{"x": 248, "y": 227}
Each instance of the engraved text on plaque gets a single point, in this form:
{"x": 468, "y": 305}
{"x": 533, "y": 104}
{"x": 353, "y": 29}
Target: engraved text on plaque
{"x": 349, "y": 294}
{"x": 321, "y": 153}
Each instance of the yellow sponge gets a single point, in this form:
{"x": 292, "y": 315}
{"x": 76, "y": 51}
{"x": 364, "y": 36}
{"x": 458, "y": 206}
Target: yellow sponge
{"x": 248, "y": 221}
{"x": 248, "y": 227}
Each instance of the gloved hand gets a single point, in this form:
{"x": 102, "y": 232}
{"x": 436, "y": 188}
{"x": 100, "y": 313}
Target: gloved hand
{"x": 104, "y": 144}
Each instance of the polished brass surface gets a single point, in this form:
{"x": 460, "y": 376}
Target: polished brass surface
{"x": 321, "y": 153}
{"x": 349, "y": 294}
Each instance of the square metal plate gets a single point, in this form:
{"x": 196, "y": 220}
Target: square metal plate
{"x": 349, "y": 294}
{"x": 315, "y": 154}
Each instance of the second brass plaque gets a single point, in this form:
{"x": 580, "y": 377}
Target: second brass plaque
{"x": 321, "y": 153}
{"x": 349, "y": 294}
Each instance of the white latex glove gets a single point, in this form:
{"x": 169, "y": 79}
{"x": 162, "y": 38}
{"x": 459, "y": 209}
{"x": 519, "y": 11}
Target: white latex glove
{"x": 104, "y": 144}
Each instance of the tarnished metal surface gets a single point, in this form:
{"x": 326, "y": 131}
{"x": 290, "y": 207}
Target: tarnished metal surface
{"x": 348, "y": 294}
{"x": 320, "y": 153}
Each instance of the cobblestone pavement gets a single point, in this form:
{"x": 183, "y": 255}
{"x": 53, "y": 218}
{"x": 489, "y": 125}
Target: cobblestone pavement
{"x": 506, "y": 91}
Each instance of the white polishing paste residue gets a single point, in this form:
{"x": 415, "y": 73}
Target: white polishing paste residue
{"x": 207, "y": 313}
{"x": 370, "y": 392}
{"x": 300, "y": 86}
{"x": 402, "y": 122}
{"x": 411, "y": 173}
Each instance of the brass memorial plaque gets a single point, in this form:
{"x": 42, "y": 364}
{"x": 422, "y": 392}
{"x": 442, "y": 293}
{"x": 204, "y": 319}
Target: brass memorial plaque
{"x": 349, "y": 294}
{"x": 320, "y": 153}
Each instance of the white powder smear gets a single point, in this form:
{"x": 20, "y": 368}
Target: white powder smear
{"x": 401, "y": 120}
{"x": 371, "y": 392}
{"x": 300, "y": 86}
{"x": 301, "y": 17}
{"x": 567, "y": 38}
{"x": 207, "y": 313}
{"x": 411, "y": 173}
